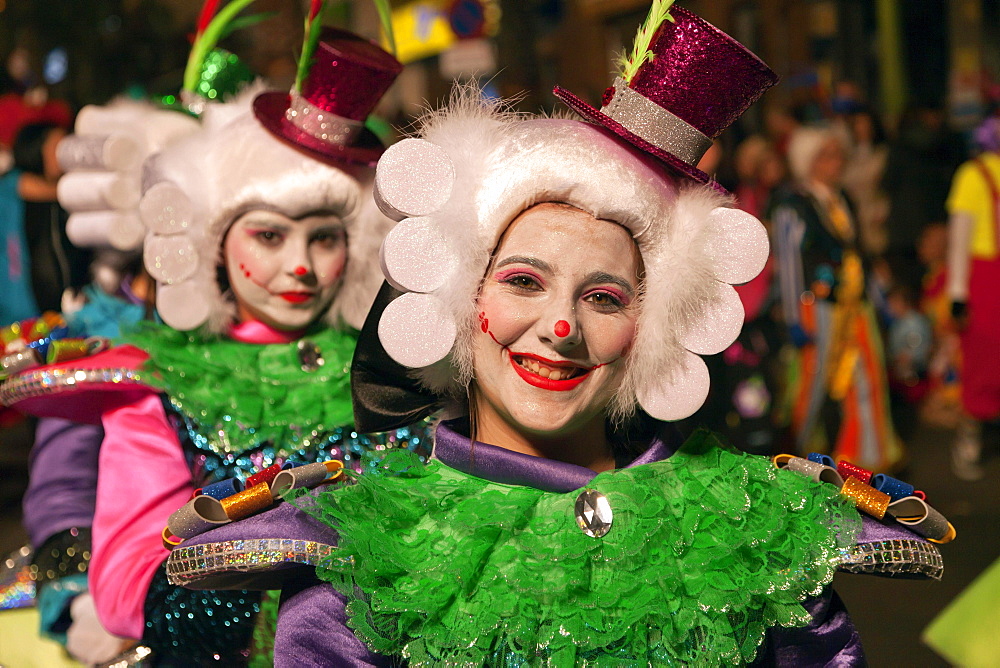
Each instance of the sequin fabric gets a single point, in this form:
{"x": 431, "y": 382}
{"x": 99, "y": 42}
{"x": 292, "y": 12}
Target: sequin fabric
{"x": 900, "y": 557}
{"x": 66, "y": 553}
{"x": 187, "y": 564}
{"x": 193, "y": 628}
{"x": 214, "y": 457}
{"x": 702, "y": 75}
{"x": 340, "y": 58}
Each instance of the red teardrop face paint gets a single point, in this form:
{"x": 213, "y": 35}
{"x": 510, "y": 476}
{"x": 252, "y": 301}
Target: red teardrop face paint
{"x": 562, "y": 329}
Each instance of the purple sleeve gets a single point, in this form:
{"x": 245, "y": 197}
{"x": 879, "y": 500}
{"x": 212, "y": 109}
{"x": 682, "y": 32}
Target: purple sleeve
{"x": 312, "y": 631}
{"x": 62, "y": 485}
{"x": 829, "y": 640}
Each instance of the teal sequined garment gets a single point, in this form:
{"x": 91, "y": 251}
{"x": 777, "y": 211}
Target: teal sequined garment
{"x": 707, "y": 550}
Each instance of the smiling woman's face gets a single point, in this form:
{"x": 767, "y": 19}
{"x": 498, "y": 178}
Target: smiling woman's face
{"x": 284, "y": 271}
{"x": 557, "y": 309}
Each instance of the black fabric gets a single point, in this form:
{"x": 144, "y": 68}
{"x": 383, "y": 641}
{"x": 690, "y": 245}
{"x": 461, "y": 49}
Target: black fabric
{"x": 198, "y": 628}
{"x": 385, "y": 396}
{"x": 62, "y": 554}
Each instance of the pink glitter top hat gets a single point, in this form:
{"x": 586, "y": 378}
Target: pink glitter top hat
{"x": 697, "y": 82}
{"x": 325, "y": 117}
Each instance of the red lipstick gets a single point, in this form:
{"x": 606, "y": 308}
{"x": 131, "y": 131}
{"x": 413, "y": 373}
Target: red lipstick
{"x": 548, "y": 383}
{"x": 296, "y": 297}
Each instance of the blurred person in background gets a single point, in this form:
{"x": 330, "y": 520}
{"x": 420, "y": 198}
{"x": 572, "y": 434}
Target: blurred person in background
{"x": 837, "y": 386}
{"x": 942, "y": 406}
{"x": 31, "y": 181}
{"x": 863, "y": 178}
{"x": 973, "y": 284}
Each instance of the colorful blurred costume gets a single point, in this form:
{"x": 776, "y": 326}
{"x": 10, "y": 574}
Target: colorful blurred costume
{"x": 837, "y": 390}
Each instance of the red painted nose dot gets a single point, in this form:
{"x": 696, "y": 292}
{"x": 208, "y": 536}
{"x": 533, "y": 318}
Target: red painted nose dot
{"x": 300, "y": 271}
{"x": 562, "y": 328}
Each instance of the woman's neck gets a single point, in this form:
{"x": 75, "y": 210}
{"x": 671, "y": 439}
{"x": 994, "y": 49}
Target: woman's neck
{"x": 586, "y": 446}
{"x": 254, "y": 331}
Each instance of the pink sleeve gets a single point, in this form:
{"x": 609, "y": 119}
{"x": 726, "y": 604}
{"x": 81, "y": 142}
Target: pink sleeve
{"x": 143, "y": 477}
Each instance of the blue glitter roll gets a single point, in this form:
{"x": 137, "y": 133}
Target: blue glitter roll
{"x": 825, "y": 460}
{"x": 896, "y": 489}
{"x": 222, "y": 489}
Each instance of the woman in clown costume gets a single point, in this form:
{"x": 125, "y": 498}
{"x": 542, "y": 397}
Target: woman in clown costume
{"x": 551, "y": 288}
{"x": 261, "y": 235}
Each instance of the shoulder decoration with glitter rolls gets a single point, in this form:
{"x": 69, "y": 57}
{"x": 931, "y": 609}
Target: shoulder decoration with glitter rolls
{"x": 878, "y": 495}
{"x": 708, "y": 549}
{"x": 228, "y": 500}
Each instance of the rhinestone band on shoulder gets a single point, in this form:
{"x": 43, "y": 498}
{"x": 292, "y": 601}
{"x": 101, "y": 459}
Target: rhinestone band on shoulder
{"x": 901, "y": 557}
{"x": 187, "y": 564}
{"x": 32, "y": 384}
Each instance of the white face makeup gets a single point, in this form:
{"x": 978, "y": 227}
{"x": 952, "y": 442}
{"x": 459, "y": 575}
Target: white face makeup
{"x": 284, "y": 271}
{"x": 558, "y": 310}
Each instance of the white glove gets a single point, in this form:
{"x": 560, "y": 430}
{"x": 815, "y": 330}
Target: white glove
{"x": 86, "y": 639}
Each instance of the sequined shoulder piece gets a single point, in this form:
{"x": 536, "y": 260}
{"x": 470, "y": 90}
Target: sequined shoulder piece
{"x": 902, "y": 557}
{"x": 202, "y": 562}
{"x": 73, "y": 389}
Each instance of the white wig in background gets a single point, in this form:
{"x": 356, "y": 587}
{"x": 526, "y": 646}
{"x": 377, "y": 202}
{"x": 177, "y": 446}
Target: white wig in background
{"x": 803, "y": 147}
{"x": 195, "y": 189}
{"x": 475, "y": 168}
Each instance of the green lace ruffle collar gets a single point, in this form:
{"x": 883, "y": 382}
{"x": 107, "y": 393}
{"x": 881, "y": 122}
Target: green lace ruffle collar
{"x": 244, "y": 394}
{"x": 707, "y": 550}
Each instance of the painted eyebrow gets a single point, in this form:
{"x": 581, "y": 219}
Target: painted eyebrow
{"x": 604, "y": 277}
{"x": 257, "y": 225}
{"x": 524, "y": 259}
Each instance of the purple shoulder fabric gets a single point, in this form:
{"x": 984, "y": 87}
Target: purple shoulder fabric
{"x": 62, "y": 486}
{"x": 830, "y": 639}
{"x": 312, "y": 631}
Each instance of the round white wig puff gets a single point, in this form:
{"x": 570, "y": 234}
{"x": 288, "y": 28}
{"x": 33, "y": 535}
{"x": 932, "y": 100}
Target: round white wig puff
{"x": 474, "y": 168}
{"x": 196, "y": 188}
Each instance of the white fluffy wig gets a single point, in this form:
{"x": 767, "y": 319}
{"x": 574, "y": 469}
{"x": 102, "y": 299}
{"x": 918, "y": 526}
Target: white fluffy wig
{"x": 804, "y": 146}
{"x": 195, "y": 189}
{"x": 474, "y": 168}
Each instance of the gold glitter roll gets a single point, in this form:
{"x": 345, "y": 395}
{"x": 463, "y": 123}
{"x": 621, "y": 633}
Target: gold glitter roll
{"x": 866, "y": 498}
{"x": 247, "y": 502}
{"x": 65, "y": 350}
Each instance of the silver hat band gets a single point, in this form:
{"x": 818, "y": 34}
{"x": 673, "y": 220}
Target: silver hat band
{"x": 643, "y": 117}
{"x": 321, "y": 124}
